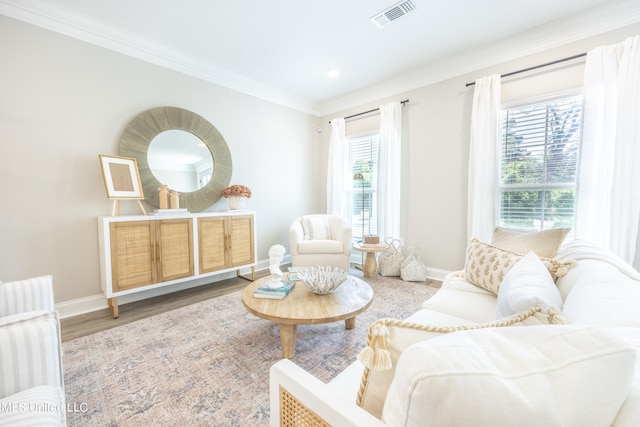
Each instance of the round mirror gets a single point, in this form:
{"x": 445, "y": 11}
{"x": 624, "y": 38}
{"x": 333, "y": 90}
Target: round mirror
{"x": 175, "y": 127}
{"x": 180, "y": 159}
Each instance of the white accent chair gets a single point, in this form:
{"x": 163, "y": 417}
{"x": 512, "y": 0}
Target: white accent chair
{"x": 31, "y": 375}
{"x": 320, "y": 240}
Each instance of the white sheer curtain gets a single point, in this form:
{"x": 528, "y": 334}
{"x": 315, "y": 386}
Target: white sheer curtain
{"x": 608, "y": 203}
{"x": 389, "y": 170}
{"x": 337, "y": 169}
{"x": 483, "y": 159}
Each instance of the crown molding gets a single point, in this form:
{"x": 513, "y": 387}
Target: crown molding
{"x": 596, "y": 21}
{"x": 555, "y": 34}
{"x": 91, "y": 31}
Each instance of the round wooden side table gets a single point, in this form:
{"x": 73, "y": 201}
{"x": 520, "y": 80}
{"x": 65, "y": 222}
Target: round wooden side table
{"x": 370, "y": 267}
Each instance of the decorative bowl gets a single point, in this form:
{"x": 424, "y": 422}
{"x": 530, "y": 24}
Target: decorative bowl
{"x": 322, "y": 280}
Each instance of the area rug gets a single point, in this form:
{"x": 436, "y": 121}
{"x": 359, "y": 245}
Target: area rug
{"x": 207, "y": 364}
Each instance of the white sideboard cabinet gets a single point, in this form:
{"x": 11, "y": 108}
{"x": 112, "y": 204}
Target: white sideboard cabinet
{"x": 142, "y": 252}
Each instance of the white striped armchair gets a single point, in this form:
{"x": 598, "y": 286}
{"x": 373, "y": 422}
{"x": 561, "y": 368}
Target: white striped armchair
{"x": 31, "y": 375}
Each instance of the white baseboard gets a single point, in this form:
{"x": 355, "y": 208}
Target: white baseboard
{"x": 436, "y": 273}
{"x": 99, "y": 302}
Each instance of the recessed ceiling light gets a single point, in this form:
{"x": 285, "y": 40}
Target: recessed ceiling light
{"x": 333, "y": 73}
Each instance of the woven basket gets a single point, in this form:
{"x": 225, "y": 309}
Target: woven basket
{"x": 390, "y": 260}
{"x": 412, "y": 268}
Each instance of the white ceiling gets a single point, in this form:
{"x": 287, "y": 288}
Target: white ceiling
{"x": 280, "y": 50}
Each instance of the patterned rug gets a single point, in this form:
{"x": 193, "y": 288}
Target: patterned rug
{"x": 207, "y": 364}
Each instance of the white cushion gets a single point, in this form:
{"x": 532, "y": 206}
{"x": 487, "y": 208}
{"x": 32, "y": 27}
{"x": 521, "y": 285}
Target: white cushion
{"x": 391, "y": 337}
{"x": 556, "y": 375}
{"x": 316, "y": 227}
{"x": 477, "y": 307}
{"x": 26, "y": 295}
{"x": 604, "y": 297}
{"x": 320, "y": 247}
{"x": 30, "y": 352}
{"x": 528, "y": 284}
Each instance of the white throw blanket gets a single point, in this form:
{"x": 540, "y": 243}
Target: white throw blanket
{"x": 576, "y": 250}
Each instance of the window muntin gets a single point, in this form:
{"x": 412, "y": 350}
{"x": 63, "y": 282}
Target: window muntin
{"x": 539, "y": 152}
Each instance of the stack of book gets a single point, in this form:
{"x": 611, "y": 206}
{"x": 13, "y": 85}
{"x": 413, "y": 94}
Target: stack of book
{"x": 266, "y": 291}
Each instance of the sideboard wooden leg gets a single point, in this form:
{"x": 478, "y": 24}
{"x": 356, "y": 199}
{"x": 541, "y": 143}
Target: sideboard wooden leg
{"x": 113, "y": 306}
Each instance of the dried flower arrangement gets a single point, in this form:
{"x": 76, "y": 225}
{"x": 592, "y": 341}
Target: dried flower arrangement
{"x": 237, "y": 190}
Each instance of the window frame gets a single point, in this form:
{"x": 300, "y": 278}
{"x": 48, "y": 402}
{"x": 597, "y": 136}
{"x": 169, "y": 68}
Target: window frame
{"x": 502, "y": 188}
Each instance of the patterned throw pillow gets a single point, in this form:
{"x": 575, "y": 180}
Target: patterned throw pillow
{"x": 487, "y": 265}
{"x": 388, "y": 338}
{"x": 316, "y": 227}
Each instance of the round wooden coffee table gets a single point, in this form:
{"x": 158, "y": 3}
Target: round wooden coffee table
{"x": 303, "y": 307}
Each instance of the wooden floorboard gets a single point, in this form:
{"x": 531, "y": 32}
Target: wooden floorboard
{"x": 100, "y": 320}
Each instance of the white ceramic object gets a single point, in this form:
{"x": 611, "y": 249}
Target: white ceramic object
{"x": 322, "y": 280}
{"x": 236, "y": 202}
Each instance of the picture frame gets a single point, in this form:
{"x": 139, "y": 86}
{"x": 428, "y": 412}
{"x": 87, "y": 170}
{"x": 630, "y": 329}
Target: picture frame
{"x": 121, "y": 177}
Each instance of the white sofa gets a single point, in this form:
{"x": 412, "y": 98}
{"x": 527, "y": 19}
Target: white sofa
{"x": 320, "y": 240}
{"x": 457, "y": 361}
{"x": 31, "y": 375}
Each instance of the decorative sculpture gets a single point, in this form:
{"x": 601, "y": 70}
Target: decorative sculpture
{"x": 276, "y": 254}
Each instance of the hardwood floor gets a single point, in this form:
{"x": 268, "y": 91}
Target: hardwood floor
{"x": 96, "y": 321}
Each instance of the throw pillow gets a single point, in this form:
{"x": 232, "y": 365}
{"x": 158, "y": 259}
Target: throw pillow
{"x": 388, "y": 338}
{"x": 545, "y": 376}
{"x": 316, "y": 227}
{"x": 528, "y": 284}
{"x": 486, "y": 265}
{"x": 545, "y": 243}
{"x": 26, "y": 295}
{"x": 31, "y": 351}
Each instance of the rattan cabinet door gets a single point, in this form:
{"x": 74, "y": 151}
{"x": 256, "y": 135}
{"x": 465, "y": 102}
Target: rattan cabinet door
{"x": 212, "y": 244}
{"x": 175, "y": 248}
{"x": 133, "y": 254}
{"x": 241, "y": 250}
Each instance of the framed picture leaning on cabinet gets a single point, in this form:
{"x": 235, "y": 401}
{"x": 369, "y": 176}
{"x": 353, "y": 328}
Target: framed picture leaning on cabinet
{"x": 121, "y": 177}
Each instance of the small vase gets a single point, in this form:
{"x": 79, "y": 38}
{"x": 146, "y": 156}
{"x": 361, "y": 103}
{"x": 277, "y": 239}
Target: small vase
{"x": 236, "y": 202}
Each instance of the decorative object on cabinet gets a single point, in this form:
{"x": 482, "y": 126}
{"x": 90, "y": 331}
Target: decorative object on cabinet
{"x": 174, "y": 200}
{"x": 121, "y": 180}
{"x": 236, "y": 196}
{"x": 139, "y": 253}
{"x": 163, "y": 196}
{"x": 138, "y": 136}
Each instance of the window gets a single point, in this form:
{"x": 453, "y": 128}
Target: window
{"x": 363, "y": 160}
{"x": 539, "y": 152}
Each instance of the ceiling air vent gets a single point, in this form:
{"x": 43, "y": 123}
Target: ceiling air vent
{"x": 394, "y": 12}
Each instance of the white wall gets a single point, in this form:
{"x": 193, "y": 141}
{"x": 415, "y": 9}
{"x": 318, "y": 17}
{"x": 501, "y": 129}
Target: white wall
{"x": 63, "y": 102}
{"x": 436, "y": 144}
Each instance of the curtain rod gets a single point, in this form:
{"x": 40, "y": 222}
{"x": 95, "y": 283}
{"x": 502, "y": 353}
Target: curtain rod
{"x": 569, "y": 58}
{"x": 370, "y": 111}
